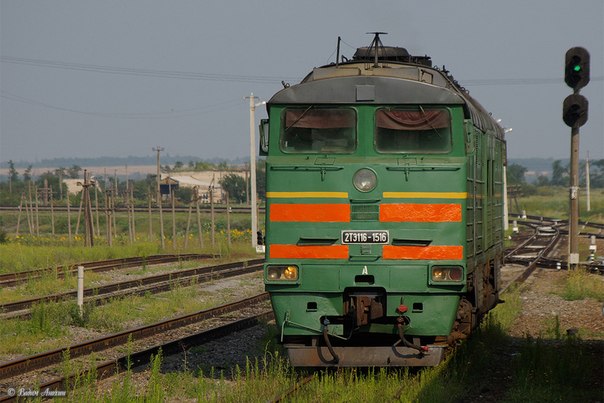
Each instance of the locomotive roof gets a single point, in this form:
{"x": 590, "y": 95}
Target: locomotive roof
{"x": 387, "y": 82}
{"x": 393, "y": 82}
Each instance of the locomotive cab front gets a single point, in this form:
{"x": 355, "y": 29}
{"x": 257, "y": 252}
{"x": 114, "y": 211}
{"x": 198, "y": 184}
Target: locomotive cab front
{"x": 368, "y": 200}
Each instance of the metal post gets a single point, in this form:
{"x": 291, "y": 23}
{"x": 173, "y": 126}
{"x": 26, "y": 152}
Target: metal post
{"x": 108, "y": 217}
{"x": 228, "y": 214}
{"x": 68, "y": 216}
{"x": 573, "y": 231}
{"x": 506, "y": 224}
{"x": 81, "y": 289}
{"x": 253, "y": 169}
{"x": 587, "y": 184}
{"x": 150, "y": 215}
{"x": 133, "y": 215}
{"x": 161, "y": 217}
{"x": 52, "y": 213}
{"x": 198, "y": 213}
{"x": 173, "y": 200}
{"x": 213, "y": 222}
{"x": 96, "y": 204}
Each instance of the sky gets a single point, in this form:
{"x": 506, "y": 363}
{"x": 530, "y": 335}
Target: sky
{"x": 86, "y": 78}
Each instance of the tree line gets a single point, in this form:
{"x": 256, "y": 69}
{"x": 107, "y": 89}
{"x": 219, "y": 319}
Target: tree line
{"x": 560, "y": 175}
{"x": 50, "y": 183}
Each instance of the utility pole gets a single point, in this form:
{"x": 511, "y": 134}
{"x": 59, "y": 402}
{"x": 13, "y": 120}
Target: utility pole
{"x": 253, "y": 196}
{"x": 159, "y": 149}
{"x": 87, "y": 209}
{"x": 587, "y": 183}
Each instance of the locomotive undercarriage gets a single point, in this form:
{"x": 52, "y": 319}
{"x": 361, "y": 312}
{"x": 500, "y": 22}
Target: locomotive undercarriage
{"x": 366, "y": 307}
{"x": 366, "y": 349}
{"x": 362, "y": 309}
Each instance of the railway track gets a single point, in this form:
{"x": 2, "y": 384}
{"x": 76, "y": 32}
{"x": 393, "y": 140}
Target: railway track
{"x": 294, "y": 389}
{"x": 528, "y": 254}
{"x": 531, "y": 251}
{"x": 536, "y": 218}
{"x": 151, "y": 284}
{"x": 551, "y": 262}
{"x": 12, "y": 279}
{"x": 251, "y": 312}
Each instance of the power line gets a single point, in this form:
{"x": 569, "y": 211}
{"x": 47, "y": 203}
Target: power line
{"x": 181, "y": 75}
{"x": 185, "y": 75}
{"x": 141, "y": 115}
{"x": 518, "y": 81}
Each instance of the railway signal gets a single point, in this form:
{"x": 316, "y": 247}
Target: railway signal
{"x": 574, "y": 110}
{"x": 574, "y": 114}
{"x": 576, "y": 73}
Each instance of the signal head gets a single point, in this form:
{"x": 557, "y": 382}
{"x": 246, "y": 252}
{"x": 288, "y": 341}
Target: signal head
{"x": 574, "y": 110}
{"x": 576, "y": 73}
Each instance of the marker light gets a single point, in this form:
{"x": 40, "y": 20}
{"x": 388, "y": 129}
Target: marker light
{"x": 364, "y": 180}
{"x": 282, "y": 273}
{"x": 447, "y": 273}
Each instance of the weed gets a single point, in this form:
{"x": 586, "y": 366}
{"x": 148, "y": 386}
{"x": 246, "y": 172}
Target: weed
{"x": 155, "y": 391}
{"x": 47, "y": 319}
{"x": 581, "y": 285}
{"x": 80, "y": 317}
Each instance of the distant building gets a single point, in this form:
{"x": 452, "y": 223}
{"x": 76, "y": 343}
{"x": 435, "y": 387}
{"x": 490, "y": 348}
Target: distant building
{"x": 202, "y": 181}
{"x": 73, "y": 186}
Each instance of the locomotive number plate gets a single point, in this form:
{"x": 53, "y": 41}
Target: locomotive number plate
{"x": 356, "y": 237}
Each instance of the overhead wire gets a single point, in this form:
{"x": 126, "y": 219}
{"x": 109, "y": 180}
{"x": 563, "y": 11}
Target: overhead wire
{"x": 175, "y": 74}
{"x": 132, "y": 115}
{"x": 188, "y": 75}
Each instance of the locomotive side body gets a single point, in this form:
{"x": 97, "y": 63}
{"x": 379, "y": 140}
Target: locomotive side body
{"x": 384, "y": 214}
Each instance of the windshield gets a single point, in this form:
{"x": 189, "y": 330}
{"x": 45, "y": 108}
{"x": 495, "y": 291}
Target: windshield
{"x": 318, "y": 130}
{"x": 423, "y": 130}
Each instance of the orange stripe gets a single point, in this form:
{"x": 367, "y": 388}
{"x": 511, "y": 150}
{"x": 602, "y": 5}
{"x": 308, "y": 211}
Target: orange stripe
{"x": 278, "y": 251}
{"x": 310, "y": 212}
{"x": 423, "y": 252}
{"x": 409, "y": 212}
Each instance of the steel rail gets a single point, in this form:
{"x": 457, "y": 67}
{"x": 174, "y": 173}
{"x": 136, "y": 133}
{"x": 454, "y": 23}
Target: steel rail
{"x": 49, "y": 358}
{"x": 164, "y": 281}
{"x": 291, "y": 391}
{"x": 542, "y": 251}
{"x": 565, "y": 222}
{"x": 12, "y": 279}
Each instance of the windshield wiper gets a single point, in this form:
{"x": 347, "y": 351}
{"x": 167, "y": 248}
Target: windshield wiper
{"x": 428, "y": 122}
{"x": 299, "y": 117}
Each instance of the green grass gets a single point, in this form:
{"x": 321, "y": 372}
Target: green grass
{"x": 538, "y": 370}
{"x": 48, "y": 326}
{"x": 50, "y": 283}
{"x": 554, "y": 202}
{"x": 41, "y": 253}
{"x": 581, "y": 285}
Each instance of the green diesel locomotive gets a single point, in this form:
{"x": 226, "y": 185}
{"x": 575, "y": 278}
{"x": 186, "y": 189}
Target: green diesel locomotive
{"x": 384, "y": 218}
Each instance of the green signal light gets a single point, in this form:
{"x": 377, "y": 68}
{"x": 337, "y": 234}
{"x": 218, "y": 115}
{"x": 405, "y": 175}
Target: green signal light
{"x": 577, "y": 68}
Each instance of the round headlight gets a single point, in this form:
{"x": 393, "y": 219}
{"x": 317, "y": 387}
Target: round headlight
{"x": 274, "y": 273}
{"x": 364, "y": 180}
{"x": 290, "y": 273}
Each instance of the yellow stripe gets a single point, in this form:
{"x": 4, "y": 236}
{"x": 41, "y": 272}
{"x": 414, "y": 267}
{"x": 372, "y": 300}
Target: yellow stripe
{"x": 300, "y": 195}
{"x": 425, "y": 195}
